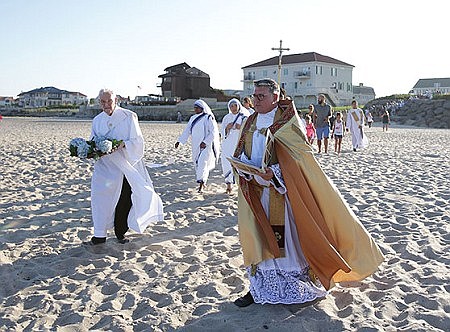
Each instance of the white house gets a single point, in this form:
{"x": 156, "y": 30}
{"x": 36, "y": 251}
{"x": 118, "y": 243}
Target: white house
{"x": 6, "y": 101}
{"x": 304, "y": 76}
{"x": 426, "y": 86}
{"x": 51, "y": 96}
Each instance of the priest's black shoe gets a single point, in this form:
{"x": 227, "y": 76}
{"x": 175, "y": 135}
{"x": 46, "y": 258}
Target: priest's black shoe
{"x": 245, "y": 300}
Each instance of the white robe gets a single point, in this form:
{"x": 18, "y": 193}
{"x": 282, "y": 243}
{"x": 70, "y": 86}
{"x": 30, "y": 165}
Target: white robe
{"x": 359, "y": 138}
{"x": 204, "y": 130}
{"x": 281, "y": 280}
{"x": 109, "y": 170}
{"x": 229, "y": 143}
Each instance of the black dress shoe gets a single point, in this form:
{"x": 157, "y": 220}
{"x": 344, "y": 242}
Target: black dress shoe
{"x": 245, "y": 300}
{"x": 94, "y": 241}
{"x": 123, "y": 241}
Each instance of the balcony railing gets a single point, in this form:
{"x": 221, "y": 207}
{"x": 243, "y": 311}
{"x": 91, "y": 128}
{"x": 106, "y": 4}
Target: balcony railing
{"x": 302, "y": 74}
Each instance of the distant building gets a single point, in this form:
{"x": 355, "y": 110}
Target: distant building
{"x": 186, "y": 82}
{"x": 233, "y": 93}
{"x": 426, "y": 86}
{"x": 304, "y": 76}
{"x": 363, "y": 94}
{"x": 6, "y": 101}
{"x": 51, "y": 96}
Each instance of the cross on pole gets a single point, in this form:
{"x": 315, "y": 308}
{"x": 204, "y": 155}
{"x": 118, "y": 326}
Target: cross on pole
{"x": 281, "y": 49}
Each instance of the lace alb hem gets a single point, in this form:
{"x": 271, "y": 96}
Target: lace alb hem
{"x": 284, "y": 287}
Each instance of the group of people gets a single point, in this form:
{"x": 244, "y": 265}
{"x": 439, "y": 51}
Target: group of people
{"x": 205, "y": 139}
{"x": 321, "y": 124}
{"x": 298, "y": 235}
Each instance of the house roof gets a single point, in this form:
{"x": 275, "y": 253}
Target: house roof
{"x": 50, "y": 89}
{"x": 183, "y": 65}
{"x": 196, "y": 72}
{"x": 429, "y": 83}
{"x": 298, "y": 58}
{"x": 364, "y": 90}
{"x": 183, "y": 69}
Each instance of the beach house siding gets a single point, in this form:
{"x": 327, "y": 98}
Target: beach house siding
{"x": 425, "y": 86}
{"x": 185, "y": 82}
{"x": 6, "y": 102}
{"x": 363, "y": 94}
{"x": 51, "y": 96}
{"x": 304, "y": 76}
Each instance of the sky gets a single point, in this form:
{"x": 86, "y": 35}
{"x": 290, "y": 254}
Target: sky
{"x": 86, "y": 45}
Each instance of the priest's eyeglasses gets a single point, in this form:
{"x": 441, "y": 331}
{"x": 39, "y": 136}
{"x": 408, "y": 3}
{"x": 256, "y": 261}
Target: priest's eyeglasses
{"x": 259, "y": 96}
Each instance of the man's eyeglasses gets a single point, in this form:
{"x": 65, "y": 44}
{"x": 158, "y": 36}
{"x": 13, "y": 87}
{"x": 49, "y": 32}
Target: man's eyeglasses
{"x": 259, "y": 96}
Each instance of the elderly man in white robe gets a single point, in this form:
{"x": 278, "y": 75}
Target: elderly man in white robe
{"x": 122, "y": 194}
{"x": 204, "y": 132}
{"x": 355, "y": 124}
{"x": 231, "y": 125}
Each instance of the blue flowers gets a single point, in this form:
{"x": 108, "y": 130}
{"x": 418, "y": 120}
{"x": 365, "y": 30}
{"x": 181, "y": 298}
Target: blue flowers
{"x": 96, "y": 148}
{"x": 104, "y": 146}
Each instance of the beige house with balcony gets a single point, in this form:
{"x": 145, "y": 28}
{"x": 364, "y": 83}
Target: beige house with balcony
{"x": 304, "y": 76}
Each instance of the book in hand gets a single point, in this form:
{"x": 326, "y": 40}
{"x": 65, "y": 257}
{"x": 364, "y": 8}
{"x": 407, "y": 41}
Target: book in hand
{"x": 252, "y": 169}
{"x": 244, "y": 167}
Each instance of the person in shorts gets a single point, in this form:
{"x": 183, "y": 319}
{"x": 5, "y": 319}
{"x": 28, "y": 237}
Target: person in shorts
{"x": 321, "y": 118}
{"x": 338, "y": 132}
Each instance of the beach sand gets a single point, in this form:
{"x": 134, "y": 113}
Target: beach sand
{"x": 184, "y": 272}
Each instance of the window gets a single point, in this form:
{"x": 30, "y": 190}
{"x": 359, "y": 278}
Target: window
{"x": 285, "y": 72}
{"x": 318, "y": 70}
{"x": 295, "y": 85}
{"x": 249, "y": 76}
{"x": 333, "y": 71}
{"x": 264, "y": 73}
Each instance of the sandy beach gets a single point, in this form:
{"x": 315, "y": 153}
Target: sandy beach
{"x": 184, "y": 272}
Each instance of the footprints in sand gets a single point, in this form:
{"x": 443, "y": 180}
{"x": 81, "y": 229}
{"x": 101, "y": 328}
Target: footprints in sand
{"x": 185, "y": 271}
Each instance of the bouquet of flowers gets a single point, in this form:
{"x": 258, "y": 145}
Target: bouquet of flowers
{"x": 95, "y": 148}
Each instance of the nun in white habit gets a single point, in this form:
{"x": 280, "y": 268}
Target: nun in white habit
{"x": 204, "y": 132}
{"x": 122, "y": 194}
{"x": 231, "y": 126}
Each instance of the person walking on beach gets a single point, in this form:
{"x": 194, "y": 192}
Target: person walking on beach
{"x": 355, "y": 124}
{"x": 204, "y": 132}
{"x": 385, "y": 119}
{"x": 248, "y": 104}
{"x": 338, "y": 132}
{"x": 321, "y": 117}
{"x": 179, "y": 117}
{"x": 298, "y": 236}
{"x": 231, "y": 125}
{"x": 369, "y": 119}
{"x": 310, "y": 129}
{"x": 122, "y": 194}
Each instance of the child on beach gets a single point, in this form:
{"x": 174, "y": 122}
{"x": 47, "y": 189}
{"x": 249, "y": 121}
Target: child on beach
{"x": 338, "y": 132}
{"x": 310, "y": 129}
{"x": 369, "y": 119}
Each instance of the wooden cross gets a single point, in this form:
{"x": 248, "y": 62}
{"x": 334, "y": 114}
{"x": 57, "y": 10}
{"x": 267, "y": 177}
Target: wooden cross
{"x": 281, "y": 49}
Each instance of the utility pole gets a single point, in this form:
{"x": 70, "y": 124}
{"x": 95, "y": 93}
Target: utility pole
{"x": 280, "y": 49}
